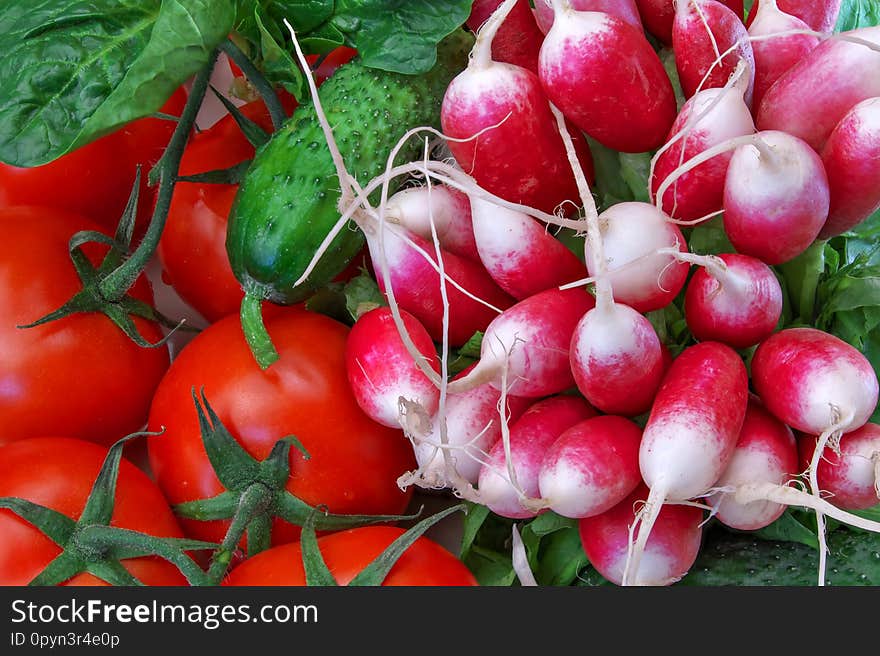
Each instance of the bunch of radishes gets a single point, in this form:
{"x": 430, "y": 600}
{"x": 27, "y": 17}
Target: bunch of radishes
{"x": 780, "y": 132}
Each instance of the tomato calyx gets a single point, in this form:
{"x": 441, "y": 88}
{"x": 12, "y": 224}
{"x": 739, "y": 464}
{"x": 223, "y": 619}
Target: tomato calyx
{"x": 318, "y": 574}
{"x": 90, "y": 544}
{"x": 255, "y": 493}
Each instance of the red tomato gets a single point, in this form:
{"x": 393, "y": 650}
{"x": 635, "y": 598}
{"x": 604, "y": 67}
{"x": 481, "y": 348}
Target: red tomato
{"x": 354, "y": 463}
{"x": 346, "y": 553}
{"x": 333, "y": 60}
{"x": 79, "y": 376}
{"x": 58, "y": 473}
{"x": 95, "y": 180}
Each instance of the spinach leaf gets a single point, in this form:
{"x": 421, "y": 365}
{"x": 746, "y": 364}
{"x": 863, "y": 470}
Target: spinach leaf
{"x": 74, "y": 70}
{"x": 857, "y": 13}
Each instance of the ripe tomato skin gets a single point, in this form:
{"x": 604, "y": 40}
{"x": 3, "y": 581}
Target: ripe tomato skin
{"x": 348, "y": 552}
{"x": 58, "y": 472}
{"x": 79, "y": 376}
{"x": 193, "y": 245}
{"x": 95, "y": 180}
{"x": 354, "y": 462}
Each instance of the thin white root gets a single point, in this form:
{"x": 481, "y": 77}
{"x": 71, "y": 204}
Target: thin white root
{"x": 481, "y": 53}
{"x": 521, "y": 561}
{"x": 656, "y": 499}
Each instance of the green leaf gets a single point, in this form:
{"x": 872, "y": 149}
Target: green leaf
{"x": 802, "y": 276}
{"x": 398, "y": 35}
{"x": 75, "y": 70}
{"x": 634, "y": 169}
{"x": 562, "y": 557}
{"x": 278, "y": 63}
{"x": 304, "y": 15}
{"x": 549, "y": 522}
{"x": 868, "y": 513}
{"x": 362, "y": 294}
{"x": 465, "y": 356}
{"x": 491, "y": 568}
{"x": 473, "y": 520}
{"x": 709, "y": 238}
{"x": 788, "y": 529}
{"x": 610, "y": 187}
{"x": 857, "y": 13}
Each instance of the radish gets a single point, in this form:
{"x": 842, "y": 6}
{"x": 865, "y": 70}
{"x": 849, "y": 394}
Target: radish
{"x": 765, "y": 452}
{"x": 819, "y": 15}
{"x": 470, "y": 423}
{"x": 852, "y": 476}
{"x": 519, "y": 253}
{"x": 852, "y": 161}
{"x": 415, "y": 208}
{"x": 709, "y": 40}
{"x": 606, "y": 79}
{"x": 691, "y": 432}
{"x": 625, "y": 10}
{"x": 709, "y": 118}
{"x": 818, "y": 384}
{"x": 736, "y": 300}
{"x": 659, "y": 15}
{"x": 669, "y": 553}
{"x": 530, "y": 438}
{"x": 518, "y": 39}
{"x": 380, "y": 369}
{"x": 591, "y": 467}
{"x": 775, "y": 50}
{"x": 811, "y": 98}
{"x": 528, "y": 343}
{"x": 641, "y": 274}
{"x": 617, "y": 359}
{"x": 486, "y": 111}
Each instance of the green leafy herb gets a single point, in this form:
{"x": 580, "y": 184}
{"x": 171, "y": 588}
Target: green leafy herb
{"x": 857, "y": 13}
{"x": 788, "y": 529}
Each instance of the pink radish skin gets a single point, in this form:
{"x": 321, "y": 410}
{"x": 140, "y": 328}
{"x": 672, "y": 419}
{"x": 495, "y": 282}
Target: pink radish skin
{"x": 737, "y": 303}
{"x": 518, "y": 39}
{"x": 691, "y": 432}
{"x": 380, "y": 369}
{"x": 450, "y": 210}
{"x": 519, "y": 252}
{"x": 591, "y": 467}
{"x": 530, "y": 438}
{"x": 776, "y": 55}
{"x": 766, "y": 452}
{"x": 523, "y": 159}
{"x": 669, "y": 553}
{"x": 811, "y": 98}
{"x": 776, "y": 197}
{"x": 700, "y": 191}
{"x": 819, "y": 15}
{"x": 697, "y": 45}
{"x": 625, "y": 10}
{"x": 801, "y": 374}
{"x": 852, "y": 161}
{"x": 416, "y": 286}
{"x": 852, "y": 478}
{"x": 632, "y": 234}
{"x": 473, "y": 425}
{"x": 533, "y": 339}
{"x": 617, "y": 360}
{"x": 605, "y": 78}
{"x": 659, "y": 15}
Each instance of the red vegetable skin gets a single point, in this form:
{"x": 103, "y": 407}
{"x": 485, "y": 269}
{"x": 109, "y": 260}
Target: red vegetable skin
{"x": 820, "y": 15}
{"x": 518, "y": 39}
{"x": 848, "y": 479}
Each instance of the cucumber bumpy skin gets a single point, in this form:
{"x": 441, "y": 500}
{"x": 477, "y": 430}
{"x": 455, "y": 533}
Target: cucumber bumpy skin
{"x": 288, "y": 200}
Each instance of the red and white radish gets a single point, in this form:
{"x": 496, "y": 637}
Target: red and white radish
{"x": 528, "y": 343}
{"x": 819, "y": 15}
{"x": 381, "y": 369}
{"x": 591, "y": 467}
{"x": 709, "y": 40}
{"x": 530, "y": 438}
{"x": 707, "y": 119}
{"x": 852, "y": 162}
{"x": 777, "y": 46}
{"x": 811, "y": 98}
{"x": 691, "y": 432}
{"x": 736, "y": 300}
{"x": 634, "y": 236}
{"x": 617, "y": 359}
{"x": 518, "y": 39}
{"x": 519, "y": 252}
{"x": 625, "y": 10}
{"x": 413, "y": 274}
{"x": 850, "y": 478}
{"x": 670, "y": 551}
{"x": 766, "y": 452}
{"x": 416, "y": 208}
{"x": 606, "y": 79}
{"x": 502, "y": 132}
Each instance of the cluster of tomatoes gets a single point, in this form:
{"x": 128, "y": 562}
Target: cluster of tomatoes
{"x": 71, "y": 387}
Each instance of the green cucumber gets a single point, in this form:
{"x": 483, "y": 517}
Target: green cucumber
{"x": 288, "y": 200}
